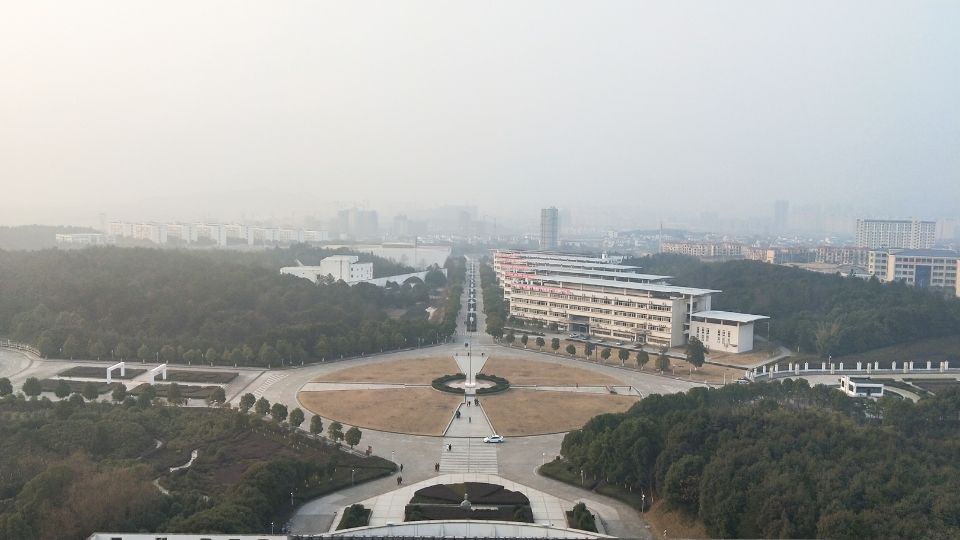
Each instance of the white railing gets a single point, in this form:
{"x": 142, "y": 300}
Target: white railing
{"x": 795, "y": 369}
{"x": 9, "y": 344}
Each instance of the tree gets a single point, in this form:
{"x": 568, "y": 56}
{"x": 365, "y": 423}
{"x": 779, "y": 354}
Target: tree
{"x": 540, "y": 343}
{"x": 236, "y": 357}
{"x": 145, "y": 399}
{"x": 62, "y": 390}
{"x": 90, "y": 391}
{"x": 571, "y": 350}
{"x": 605, "y": 353}
{"x": 248, "y": 354}
{"x": 623, "y": 354}
{"x": 192, "y": 356}
{"x": 174, "y": 395}
{"x": 335, "y": 431}
{"x": 510, "y": 338}
{"x": 642, "y": 358}
{"x": 119, "y": 393}
{"x": 168, "y": 353}
{"x": 352, "y": 436}
{"x": 696, "y": 352}
{"x": 96, "y": 349}
{"x": 588, "y": 349}
{"x": 555, "y": 344}
{"x": 32, "y": 387}
{"x": 663, "y": 361}
{"x": 316, "y": 424}
{"x": 268, "y": 355}
{"x": 278, "y": 412}
{"x": 72, "y": 348}
{"x": 144, "y": 352}
{"x": 296, "y": 417}
{"x": 217, "y": 397}
{"x": 247, "y": 401}
{"x": 262, "y": 407}
{"x": 211, "y": 355}
{"x": 524, "y": 339}
{"x": 123, "y": 350}
{"x": 6, "y": 388}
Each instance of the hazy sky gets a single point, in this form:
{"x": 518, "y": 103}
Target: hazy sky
{"x": 274, "y": 108}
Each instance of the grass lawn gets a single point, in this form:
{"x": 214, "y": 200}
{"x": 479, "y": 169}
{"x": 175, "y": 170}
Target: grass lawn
{"x": 533, "y": 412}
{"x": 418, "y": 410}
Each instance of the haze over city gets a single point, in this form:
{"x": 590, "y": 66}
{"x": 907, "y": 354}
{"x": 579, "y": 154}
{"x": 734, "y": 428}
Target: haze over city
{"x": 307, "y": 269}
{"x": 217, "y": 110}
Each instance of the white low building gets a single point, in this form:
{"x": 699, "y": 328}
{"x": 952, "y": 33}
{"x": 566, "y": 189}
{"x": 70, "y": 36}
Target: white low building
{"x": 859, "y": 387}
{"x": 724, "y": 331}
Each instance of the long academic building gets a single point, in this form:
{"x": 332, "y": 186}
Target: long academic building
{"x": 600, "y": 296}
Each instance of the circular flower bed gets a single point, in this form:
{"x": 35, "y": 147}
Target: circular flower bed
{"x": 443, "y": 384}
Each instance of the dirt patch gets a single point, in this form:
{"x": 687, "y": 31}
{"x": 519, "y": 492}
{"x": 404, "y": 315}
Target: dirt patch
{"x": 533, "y": 412}
{"x": 418, "y": 411}
{"x": 410, "y": 371}
{"x": 523, "y": 371}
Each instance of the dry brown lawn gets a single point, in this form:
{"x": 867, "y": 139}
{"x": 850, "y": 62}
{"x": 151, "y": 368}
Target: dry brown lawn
{"x": 519, "y": 370}
{"x": 680, "y": 368}
{"x": 418, "y": 411}
{"x": 534, "y": 412}
{"x": 408, "y": 371}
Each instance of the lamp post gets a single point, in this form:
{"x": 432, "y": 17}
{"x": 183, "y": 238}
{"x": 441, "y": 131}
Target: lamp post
{"x": 291, "y": 499}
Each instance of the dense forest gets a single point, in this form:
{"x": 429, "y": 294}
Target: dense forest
{"x": 784, "y": 460}
{"x": 36, "y": 236}
{"x": 217, "y": 307}
{"x": 821, "y": 313}
{"x": 70, "y": 468}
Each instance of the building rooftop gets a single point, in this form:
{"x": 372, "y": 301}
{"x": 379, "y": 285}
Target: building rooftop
{"x": 649, "y": 287}
{"x": 729, "y": 316}
{"x": 546, "y": 255}
{"x": 946, "y": 253}
{"x": 619, "y": 275}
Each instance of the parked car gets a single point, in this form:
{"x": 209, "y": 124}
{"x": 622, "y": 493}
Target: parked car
{"x": 493, "y": 439}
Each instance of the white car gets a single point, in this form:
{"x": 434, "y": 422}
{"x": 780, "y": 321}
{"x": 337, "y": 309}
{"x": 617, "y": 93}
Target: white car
{"x": 493, "y": 439}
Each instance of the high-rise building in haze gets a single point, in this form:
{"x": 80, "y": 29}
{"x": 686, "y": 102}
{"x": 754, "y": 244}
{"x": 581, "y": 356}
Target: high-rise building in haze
{"x": 781, "y": 213}
{"x": 895, "y": 233}
{"x": 549, "y": 228}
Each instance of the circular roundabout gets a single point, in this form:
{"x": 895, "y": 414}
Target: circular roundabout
{"x": 519, "y": 396}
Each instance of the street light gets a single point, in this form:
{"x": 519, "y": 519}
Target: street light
{"x": 291, "y": 499}
{"x": 352, "y": 471}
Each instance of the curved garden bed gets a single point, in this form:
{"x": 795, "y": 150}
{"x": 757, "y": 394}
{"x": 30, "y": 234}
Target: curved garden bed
{"x": 443, "y": 384}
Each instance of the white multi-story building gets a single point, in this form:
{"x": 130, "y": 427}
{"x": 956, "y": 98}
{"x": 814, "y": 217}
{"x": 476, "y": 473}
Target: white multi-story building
{"x": 916, "y": 267}
{"x": 338, "y": 267}
{"x": 84, "y": 239}
{"x": 549, "y": 228}
{"x": 577, "y": 295}
{"x": 706, "y": 250}
{"x": 894, "y": 233}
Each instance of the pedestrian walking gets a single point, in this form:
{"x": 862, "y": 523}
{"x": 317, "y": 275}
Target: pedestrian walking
{"x": 470, "y": 420}
{"x": 401, "y": 467}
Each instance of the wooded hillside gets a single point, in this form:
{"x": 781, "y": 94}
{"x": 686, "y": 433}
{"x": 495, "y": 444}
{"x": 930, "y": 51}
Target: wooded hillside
{"x": 783, "y": 460}
{"x": 202, "y": 306}
{"x": 821, "y": 313}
